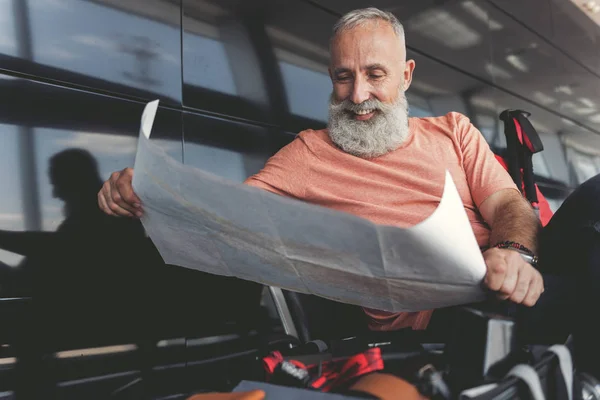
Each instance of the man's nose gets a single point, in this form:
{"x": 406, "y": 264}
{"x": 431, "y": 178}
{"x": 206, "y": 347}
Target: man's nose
{"x": 360, "y": 91}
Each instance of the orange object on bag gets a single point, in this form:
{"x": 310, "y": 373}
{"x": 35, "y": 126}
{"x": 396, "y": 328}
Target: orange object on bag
{"x": 387, "y": 387}
{"x": 251, "y": 395}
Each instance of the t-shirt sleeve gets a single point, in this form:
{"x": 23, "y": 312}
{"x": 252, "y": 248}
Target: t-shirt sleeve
{"x": 484, "y": 173}
{"x": 287, "y": 172}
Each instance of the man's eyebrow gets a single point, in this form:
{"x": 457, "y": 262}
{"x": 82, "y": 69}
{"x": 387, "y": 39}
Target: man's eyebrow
{"x": 376, "y": 66}
{"x": 341, "y": 70}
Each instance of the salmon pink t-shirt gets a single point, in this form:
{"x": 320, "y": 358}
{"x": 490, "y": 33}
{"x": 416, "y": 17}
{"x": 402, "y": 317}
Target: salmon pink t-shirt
{"x": 400, "y": 188}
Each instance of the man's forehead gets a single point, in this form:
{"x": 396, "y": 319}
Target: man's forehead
{"x": 373, "y": 44}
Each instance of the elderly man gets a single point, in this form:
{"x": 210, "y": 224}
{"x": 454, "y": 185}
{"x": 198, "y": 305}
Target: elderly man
{"x": 375, "y": 162}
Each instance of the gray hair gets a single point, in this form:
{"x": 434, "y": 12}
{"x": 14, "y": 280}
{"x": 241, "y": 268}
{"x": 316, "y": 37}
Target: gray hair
{"x": 361, "y": 16}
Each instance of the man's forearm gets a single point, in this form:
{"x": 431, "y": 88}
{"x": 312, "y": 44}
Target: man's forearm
{"x": 516, "y": 221}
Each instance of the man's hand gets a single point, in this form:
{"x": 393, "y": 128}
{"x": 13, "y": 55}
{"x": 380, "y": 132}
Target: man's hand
{"x": 117, "y": 197}
{"x": 512, "y": 277}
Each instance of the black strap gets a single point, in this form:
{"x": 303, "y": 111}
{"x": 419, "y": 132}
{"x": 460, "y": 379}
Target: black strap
{"x": 512, "y": 157}
{"x": 520, "y": 152}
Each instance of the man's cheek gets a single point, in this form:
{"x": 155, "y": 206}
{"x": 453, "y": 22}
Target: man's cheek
{"x": 340, "y": 93}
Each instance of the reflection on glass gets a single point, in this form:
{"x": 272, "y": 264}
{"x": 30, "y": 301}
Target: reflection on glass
{"x": 564, "y": 89}
{"x": 224, "y": 63}
{"x": 112, "y": 153}
{"x": 587, "y": 102}
{"x": 488, "y": 126}
{"x": 576, "y": 29}
{"x": 476, "y": 11}
{"x": 11, "y": 208}
{"x": 441, "y": 105}
{"x": 425, "y": 87}
{"x": 206, "y": 64}
{"x": 222, "y": 162}
{"x": 595, "y": 118}
{"x": 8, "y": 42}
{"x": 69, "y": 270}
{"x": 583, "y": 155}
{"x": 539, "y": 70}
{"x": 517, "y": 62}
{"x": 554, "y": 203}
{"x": 102, "y": 41}
{"x": 303, "y": 65}
{"x": 543, "y": 98}
{"x": 585, "y": 167}
{"x": 444, "y": 28}
{"x": 307, "y": 91}
{"x": 539, "y": 164}
{"x": 418, "y": 106}
{"x": 554, "y": 155}
{"x": 497, "y": 72}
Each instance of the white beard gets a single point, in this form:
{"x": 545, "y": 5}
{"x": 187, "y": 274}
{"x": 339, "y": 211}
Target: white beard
{"x": 383, "y": 132}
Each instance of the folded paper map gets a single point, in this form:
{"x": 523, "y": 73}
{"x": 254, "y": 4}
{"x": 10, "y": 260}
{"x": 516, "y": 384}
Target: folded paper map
{"x": 202, "y": 221}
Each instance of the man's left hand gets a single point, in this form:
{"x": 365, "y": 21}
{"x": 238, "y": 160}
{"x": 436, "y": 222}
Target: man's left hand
{"x": 512, "y": 277}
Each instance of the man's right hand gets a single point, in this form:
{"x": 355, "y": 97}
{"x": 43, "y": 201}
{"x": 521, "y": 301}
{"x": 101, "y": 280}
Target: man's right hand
{"x": 117, "y": 197}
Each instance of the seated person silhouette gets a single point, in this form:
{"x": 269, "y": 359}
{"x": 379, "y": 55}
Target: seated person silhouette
{"x": 78, "y": 285}
{"x": 68, "y": 272}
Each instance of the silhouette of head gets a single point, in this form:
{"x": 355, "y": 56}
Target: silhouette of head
{"x": 74, "y": 176}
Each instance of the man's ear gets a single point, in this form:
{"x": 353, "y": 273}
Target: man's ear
{"x": 408, "y": 73}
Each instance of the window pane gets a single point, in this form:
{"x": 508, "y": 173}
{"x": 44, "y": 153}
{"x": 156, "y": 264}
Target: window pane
{"x": 11, "y": 207}
{"x": 307, "y": 91}
{"x": 8, "y": 41}
{"x": 105, "y": 42}
{"x": 206, "y": 64}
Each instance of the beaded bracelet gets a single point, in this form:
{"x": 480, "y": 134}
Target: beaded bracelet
{"x": 514, "y": 245}
{"x": 529, "y": 256}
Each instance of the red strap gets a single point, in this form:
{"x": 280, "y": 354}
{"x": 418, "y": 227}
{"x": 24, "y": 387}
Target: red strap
{"x": 271, "y": 362}
{"x": 519, "y": 132}
{"x": 543, "y": 205}
{"x": 522, "y": 136}
{"x": 336, "y": 373}
{"x": 333, "y": 373}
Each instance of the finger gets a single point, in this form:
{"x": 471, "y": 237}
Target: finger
{"x": 495, "y": 274}
{"x": 105, "y": 195}
{"x": 536, "y": 289}
{"x": 114, "y": 207}
{"x": 102, "y": 204}
{"x": 131, "y": 203}
{"x": 502, "y": 296}
{"x": 510, "y": 279}
{"x": 120, "y": 211}
{"x": 125, "y": 188}
{"x": 523, "y": 284}
{"x": 117, "y": 198}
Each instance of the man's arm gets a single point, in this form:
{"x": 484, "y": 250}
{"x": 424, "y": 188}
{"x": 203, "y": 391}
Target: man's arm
{"x": 286, "y": 174}
{"x": 511, "y": 218}
{"x": 507, "y": 213}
